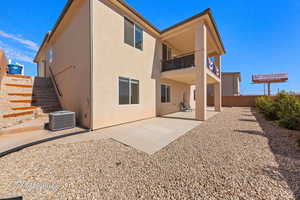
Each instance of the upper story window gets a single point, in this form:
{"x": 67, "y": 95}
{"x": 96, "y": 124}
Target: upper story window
{"x": 138, "y": 37}
{"x": 50, "y": 56}
{"x": 133, "y": 34}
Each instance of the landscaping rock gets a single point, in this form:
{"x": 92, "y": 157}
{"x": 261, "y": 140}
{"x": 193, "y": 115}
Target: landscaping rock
{"x": 234, "y": 155}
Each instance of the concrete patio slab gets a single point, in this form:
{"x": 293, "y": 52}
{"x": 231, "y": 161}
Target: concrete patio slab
{"x": 152, "y": 135}
{"x": 210, "y": 112}
{"x": 148, "y": 136}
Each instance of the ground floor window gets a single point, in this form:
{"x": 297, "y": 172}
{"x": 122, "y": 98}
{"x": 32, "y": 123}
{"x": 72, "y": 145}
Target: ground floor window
{"x": 128, "y": 91}
{"x": 165, "y": 93}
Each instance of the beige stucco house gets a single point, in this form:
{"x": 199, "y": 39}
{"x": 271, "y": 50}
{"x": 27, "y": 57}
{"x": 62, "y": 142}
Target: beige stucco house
{"x": 230, "y": 84}
{"x": 111, "y": 66}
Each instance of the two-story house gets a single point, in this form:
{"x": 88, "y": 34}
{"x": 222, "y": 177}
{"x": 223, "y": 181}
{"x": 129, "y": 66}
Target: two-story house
{"x": 112, "y": 66}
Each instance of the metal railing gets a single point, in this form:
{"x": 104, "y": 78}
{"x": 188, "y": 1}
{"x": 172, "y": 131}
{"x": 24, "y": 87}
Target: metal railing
{"x": 55, "y": 83}
{"x": 186, "y": 61}
{"x": 213, "y": 68}
{"x": 179, "y": 63}
{"x": 64, "y": 70}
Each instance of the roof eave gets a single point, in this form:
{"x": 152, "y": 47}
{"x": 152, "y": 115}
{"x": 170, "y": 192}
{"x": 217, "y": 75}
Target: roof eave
{"x": 186, "y": 20}
{"x": 216, "y": 29}
{"x": 207, "y": 11}
{"x": 46, "y": 38}
{"x": 233, "y": 73}
{"x": 50, "y": 33}
{"x": 126, "y": 5}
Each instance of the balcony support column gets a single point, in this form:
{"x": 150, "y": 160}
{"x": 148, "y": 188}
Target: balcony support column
{"x": 218, "y": 87}
{"x": 218, "y": 97}
{"x": 201, "y": 73}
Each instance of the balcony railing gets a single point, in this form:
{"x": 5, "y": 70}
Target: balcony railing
{"x": 178, "y": 63}
{"x": 186, "y": 62}
{"x": 213, "y": 67}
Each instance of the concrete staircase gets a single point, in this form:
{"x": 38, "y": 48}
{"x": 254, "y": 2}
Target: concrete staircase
{"x": 25, "y": 98}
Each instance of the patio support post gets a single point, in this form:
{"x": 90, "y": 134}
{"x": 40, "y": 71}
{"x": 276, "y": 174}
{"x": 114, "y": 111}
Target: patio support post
{"x": 218, "y": 87}
{"x": 201, "y": 67}
{"x": 217, "y": 97}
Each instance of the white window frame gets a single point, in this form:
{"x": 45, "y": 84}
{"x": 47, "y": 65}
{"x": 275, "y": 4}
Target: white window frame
{"x": 130, "y": 79}
{"x": 135, "y": 37}
{"x": 50, "y": 56}
{"x": 134, "y": 27}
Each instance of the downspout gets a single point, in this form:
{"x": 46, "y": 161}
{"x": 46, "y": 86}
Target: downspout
{"x": 91, "y": 65}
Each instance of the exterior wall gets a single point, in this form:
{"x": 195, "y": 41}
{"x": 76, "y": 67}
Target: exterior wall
{"x": 236, "y": 101}
{"x": 41, "y": 68}
{"x": 71, "y": 47}
{"x": 180, "y": 92}
{"x": 3, "y": 66}
{"x": 210, "y": 90}
{"x": 113, "y": 58}
{"x": 89, "y": 58}
{"x": 230, "y": 85}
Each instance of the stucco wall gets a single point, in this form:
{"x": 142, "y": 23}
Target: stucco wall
{"x": 113, "y": 58}
{"x": 71, "y": 47}
{"x": 227, "y": 86}
{"x": 180, "y": 92}
{"x": 41, "y": 68}
{"x": 230, "y": 85}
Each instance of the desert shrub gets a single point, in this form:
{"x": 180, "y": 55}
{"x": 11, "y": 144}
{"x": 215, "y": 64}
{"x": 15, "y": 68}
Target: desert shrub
{"x": 267, "y": 107}
{"x": 285, "y": 108}
{"x": 284, "y": 101}
{"x": 288, "y": 111}
{"x": 261, "y": 102}
{"x": 291, "y": 121}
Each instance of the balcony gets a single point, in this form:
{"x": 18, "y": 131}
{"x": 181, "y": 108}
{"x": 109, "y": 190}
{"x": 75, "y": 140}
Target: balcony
{"x": 182, "y": 62}
{"x": 178, "y": 63}
{"x": 211, "y": 65}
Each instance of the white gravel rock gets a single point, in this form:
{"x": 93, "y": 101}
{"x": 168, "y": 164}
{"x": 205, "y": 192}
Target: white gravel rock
{"x": 234, "y": 155}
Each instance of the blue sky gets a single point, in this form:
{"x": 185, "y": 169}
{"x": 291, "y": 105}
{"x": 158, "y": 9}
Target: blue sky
{"x": 259, "y": 36}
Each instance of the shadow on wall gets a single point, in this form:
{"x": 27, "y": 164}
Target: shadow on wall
{"x": 282, "y": 143}
{"x": 14, "y": 198}
{"x": 156, "y": 69}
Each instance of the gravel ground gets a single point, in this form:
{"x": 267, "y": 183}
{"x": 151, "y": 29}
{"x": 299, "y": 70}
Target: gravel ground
{"x": 234, "y": 155}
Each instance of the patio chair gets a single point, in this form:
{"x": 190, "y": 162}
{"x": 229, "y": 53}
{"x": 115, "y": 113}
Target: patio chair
{"x": 184, "y": 108}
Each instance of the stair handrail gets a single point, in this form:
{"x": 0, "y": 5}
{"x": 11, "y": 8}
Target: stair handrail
{"x": 55, "y": 83}
{"x": 65, "y": 69}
